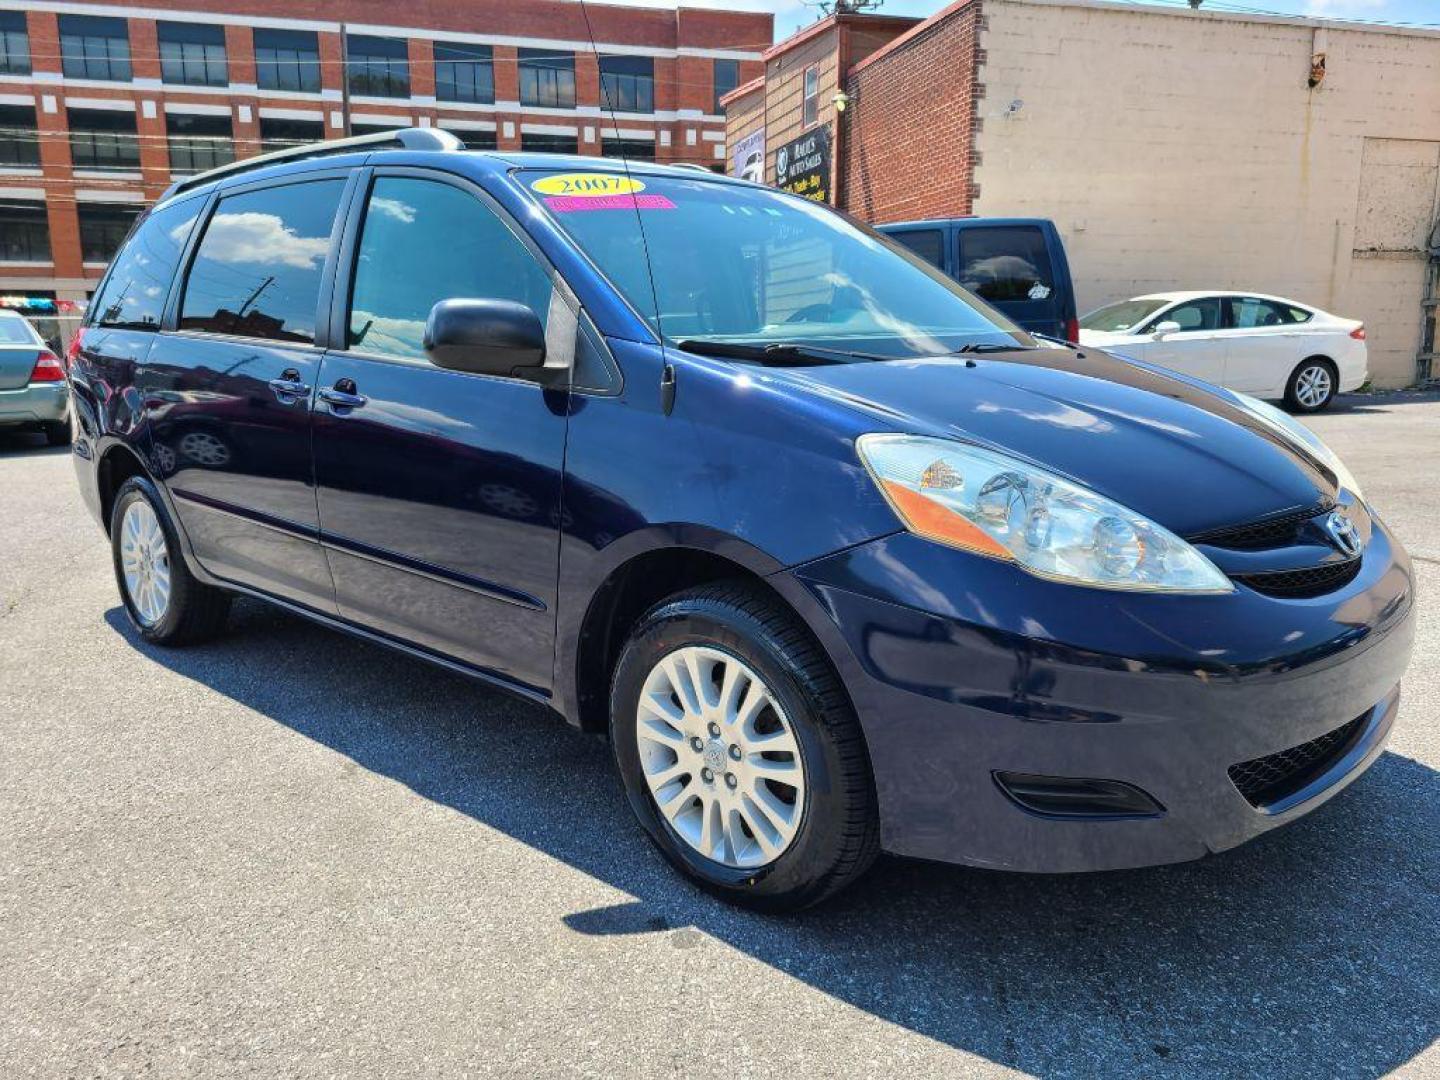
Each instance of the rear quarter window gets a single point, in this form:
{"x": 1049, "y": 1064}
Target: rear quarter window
{"x": 1001, "y": 263}
{"x": 929, "y": 244}
{"x": 133, "y": 296}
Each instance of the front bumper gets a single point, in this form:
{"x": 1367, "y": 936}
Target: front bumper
{"x": 961, "y": 667}
{"x": 38, "y": 403}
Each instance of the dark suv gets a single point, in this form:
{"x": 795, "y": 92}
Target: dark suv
{"x": 839, "y": 558}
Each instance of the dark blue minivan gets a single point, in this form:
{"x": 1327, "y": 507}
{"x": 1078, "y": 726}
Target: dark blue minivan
{"x": 839, "y": 558}
{"x": 1017, "y": 265}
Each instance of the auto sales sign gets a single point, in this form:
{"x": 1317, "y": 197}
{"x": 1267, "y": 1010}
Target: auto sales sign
{"x": 802, "y": 166}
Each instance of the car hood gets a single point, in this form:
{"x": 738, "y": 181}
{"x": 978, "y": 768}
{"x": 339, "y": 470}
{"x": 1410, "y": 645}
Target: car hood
{"x": 1185, "y": 454}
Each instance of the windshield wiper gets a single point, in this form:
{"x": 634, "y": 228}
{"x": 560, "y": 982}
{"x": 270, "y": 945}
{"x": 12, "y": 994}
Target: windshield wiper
{"x": 777, "y": 354}
{"x": 991, "y": 346}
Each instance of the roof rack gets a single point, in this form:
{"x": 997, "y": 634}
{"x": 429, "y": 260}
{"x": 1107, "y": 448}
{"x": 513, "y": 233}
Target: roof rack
{"x": 413, "y": 138}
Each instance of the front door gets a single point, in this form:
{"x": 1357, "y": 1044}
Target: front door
{"x": 439, "y": 490}
{"x": 228, "y": 392}
{"x": 1264, "y": 345}
{"x": 1197, "y": 348}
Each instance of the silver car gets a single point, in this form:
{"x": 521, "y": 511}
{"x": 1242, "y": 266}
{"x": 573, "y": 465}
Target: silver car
{"x": 33, "y": 390}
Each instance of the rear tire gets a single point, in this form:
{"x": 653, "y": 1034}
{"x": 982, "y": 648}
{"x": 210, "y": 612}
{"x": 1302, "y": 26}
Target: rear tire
{"x": 1312, "y": 386}
{"x": 800, "y": 837}
{"x": 166, "y": 604}
{"x": 60, "y": 432}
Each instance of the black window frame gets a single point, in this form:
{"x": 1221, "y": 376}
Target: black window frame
{"x": 105, "y": 149}
{"x": 382, "y": 72}
{"x": 627, "y": 83}
{"x": 723, "y": 86}
{"x": 19, "y": 139}
{"x": 87, "y": 50}
{"x": 538, "y": 69}
{"x": 175, "y": 304}
{"x": 198, "y": 152}
{"x": 627, "y": 149}
{"x": 284, "y": 62}
{"x": 31, "y": 216}
{"x": 464, "y": 72}
{"x": 188, "y": 54}
{"x": 115, "y": 220}
{"x": 537, "y": 143}
{"x": 14, "y": 44}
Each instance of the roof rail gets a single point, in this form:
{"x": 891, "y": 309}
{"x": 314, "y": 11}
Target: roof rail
{"x": 413, "y": 138}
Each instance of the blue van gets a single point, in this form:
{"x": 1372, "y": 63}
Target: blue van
{"x": 1017, "y": 265}
{"x": 838, "y": 558}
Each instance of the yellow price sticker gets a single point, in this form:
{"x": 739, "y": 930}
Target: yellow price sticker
{"x": 586, "y": 185}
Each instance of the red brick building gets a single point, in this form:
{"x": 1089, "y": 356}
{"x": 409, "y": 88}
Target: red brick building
{"x": 101, "y": 104}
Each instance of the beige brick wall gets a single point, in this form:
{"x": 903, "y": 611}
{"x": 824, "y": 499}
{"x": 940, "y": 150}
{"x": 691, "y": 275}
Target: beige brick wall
{"x": 1184, "y": 150}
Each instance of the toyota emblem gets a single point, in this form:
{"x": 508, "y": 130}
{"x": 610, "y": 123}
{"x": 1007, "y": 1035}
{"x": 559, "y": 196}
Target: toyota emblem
{"x": 1343, "y": 533}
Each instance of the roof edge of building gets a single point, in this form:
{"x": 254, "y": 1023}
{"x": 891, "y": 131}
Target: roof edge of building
{"x": 817, "y": 28}
{"x": 745, "y": 89}
{"x": 1315, "y": 22}
{"x": 919, "y": 30}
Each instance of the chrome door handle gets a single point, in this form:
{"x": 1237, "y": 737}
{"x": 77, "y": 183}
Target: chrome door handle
{"x": 290, "y": 387}
{"x": 341, "y": 398}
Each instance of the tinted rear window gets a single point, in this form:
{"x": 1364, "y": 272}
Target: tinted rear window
{"x": 1009, "y": 262}
{"x": 929, "y": 244}
{"x": 258, "y": 269}
{"x": 134, "y": 294}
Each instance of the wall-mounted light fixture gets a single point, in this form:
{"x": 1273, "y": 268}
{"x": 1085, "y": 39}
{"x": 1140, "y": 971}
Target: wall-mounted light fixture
{"x": 841, "y": 100}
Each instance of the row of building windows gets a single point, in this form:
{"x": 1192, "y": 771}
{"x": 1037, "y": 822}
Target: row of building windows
{"x": 105, "y": 139}
{"x": 25, "y": 233}
{"x": 193, "y": 54}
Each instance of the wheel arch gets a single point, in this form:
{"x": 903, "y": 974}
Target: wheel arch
{"x": 644, "y": 578}
{"x": 118, "y": 462}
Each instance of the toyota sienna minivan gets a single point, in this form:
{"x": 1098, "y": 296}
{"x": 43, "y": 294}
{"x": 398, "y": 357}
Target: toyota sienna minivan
{"x": 839, "y": 560}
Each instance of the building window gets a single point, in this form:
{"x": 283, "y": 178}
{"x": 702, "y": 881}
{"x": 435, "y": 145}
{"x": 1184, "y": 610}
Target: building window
{"x": 19, "y": 139}
{"x": 810, "y": 107}
{"x": 549, "y": 144}
{"x": 103, "y": 227}
{"x": 464, "y": 73}
{"x": 474, "y": 139}
{"x": 287, "y": 60}
{"x": 377, "y": 66}
{"x": 199, "y": 142}
{"x": 547, "y": 79}
{"x": 14, "y": 44}
{"x": 94, "y": 47}
{"x": 727, "y": 78}
{"x": 375, "y": 129}
{"x": 631, "y": 149}
{"x": 103, "y": 139}
{"x": 627, "y": 83}
{"x": 24, "y": 232}
{"x": 192, "y": 54}
{"x": 278, "y": 134}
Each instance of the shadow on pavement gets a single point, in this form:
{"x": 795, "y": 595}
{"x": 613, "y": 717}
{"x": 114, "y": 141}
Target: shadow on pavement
{"x": 28, "y": 444}
{"x": 1314, "y": 951}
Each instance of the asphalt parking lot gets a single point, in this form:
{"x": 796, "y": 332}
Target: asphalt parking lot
{"x": 291, "y": 853}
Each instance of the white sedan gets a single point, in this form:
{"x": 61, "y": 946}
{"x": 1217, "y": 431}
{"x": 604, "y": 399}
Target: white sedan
{"x": 1264, "y": 346}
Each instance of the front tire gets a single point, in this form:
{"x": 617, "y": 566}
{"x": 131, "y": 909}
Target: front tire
{"x": 740, "y": 752}
{"x": 1312, "y": 386}
{"x": 166, "y": 604}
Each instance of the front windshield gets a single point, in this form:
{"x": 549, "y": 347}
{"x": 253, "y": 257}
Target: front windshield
{"x": 752, "y": 266}
{"x": 1118, "y": 318}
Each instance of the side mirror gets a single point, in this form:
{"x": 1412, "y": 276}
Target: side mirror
{"x": 484, "y": 337}
{"x": 1169, "y": 326}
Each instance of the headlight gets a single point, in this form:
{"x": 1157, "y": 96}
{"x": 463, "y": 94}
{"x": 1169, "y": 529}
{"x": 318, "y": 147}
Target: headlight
{"x": 994, "y": 505}
{"x": 1301, "y": 437}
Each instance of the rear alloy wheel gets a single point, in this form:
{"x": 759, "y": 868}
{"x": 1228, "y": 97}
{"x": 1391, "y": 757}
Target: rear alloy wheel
{"x": 1312, "y": 386}
{"x": 165, "y": 602}
{"x": 739, "y": 749}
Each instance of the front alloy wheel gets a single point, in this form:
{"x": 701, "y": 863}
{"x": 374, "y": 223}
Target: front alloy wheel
{"x": 739, "y": 750}
{"x": 720, "y": 758}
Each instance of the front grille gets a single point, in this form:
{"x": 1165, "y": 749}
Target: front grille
{"x": 1266, "y": 780}
{"x": 1302, "y": 584}
{"x": 1259, "y": 535}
